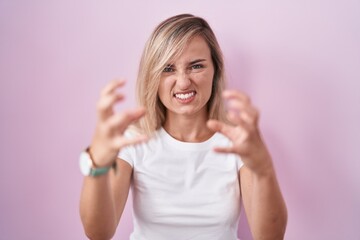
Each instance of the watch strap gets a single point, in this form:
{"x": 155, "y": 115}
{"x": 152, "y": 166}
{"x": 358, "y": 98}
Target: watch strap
{"x": 95, "y": 169}
{"x": 98, "y": 171}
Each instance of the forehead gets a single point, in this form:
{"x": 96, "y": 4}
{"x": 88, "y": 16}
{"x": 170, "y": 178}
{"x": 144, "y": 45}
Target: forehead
{"x": 196, "y": 48}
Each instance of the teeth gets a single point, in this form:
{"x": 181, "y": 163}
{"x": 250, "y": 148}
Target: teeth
{"x": 184, "y": 96}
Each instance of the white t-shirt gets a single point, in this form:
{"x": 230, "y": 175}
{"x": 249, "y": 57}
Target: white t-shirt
{"x": 183, "y": 191}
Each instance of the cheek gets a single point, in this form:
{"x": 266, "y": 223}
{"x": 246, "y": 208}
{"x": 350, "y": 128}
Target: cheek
{"x": 164, "y": 88}
{"x": 205, "y": 80}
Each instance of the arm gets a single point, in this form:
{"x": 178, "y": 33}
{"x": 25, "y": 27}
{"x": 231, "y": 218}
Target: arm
{"x": 263, "y": 202}
{"x": 103, "y": 197}
{"x": 264, "y": 205}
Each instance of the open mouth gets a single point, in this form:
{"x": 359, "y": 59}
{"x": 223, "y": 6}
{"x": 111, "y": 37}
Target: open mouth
{"x": 185, "y": 96}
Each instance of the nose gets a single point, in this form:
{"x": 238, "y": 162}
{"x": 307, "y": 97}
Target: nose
{"x": 183, "y": 80}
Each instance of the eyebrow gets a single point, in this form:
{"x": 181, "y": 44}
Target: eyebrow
{"x": 190, "y": 63}
{"x": 197, "y": 61}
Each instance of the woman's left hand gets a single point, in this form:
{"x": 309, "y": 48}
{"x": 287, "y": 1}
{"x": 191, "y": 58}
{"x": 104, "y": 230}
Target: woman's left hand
{"x": 244, "y": 133}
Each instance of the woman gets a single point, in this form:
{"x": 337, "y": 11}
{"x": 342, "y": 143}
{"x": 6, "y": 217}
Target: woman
{"x": 190, "y": 164}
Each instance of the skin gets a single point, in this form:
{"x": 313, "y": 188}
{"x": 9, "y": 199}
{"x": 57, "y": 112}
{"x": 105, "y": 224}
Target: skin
{"x": 103, "y": 198}
{"x": 263, "y": 202}
{"x": 193, "y": 71}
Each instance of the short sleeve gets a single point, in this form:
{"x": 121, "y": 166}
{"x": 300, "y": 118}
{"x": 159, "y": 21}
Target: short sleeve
{"x": 128, "y": 153}
{"x": 239, "y": 162}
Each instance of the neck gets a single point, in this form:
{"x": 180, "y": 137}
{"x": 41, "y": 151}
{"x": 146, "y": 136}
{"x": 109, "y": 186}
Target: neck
{"x": 188, "y": 128}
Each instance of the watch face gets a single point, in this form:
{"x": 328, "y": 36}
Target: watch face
{"x": 85, "y": 163}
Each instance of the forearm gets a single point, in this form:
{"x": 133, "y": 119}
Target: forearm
{"x": 268, "y": 214}
{"x": 97, "y": 208}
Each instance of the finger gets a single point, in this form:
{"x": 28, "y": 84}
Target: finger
{"x": 245, "y": 110}
{"x": 250, "y": 116}
{"x": 223, "y": 128}
{"x": 236, "y": 119}
{"x": 224, "y": 150}
{"x": 233, "y": 94}
{"x": 112, "y": 86}
{"x": 246, "y": 117}
{"x": 120, "y": 121}
{"x": 236, "y": 104}
{"x": 236, "y": 133}
{"x": 218, "y": 126}
{"x": 106, "y": 103}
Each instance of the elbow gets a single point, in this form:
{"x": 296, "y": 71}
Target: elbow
{"x": 283, "y": 222}
{"x": 94, "y": 230}
{"x": 97, "y": 228}
{"x": 279, "y": 227}
{"x": 274, "y": 229}
{"x": 98, "y": 235}
{"x": 277, "y": 233}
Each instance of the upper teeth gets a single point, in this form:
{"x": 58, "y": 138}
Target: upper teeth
{"x": 184, "y": 96}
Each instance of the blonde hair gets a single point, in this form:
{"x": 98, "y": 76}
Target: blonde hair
{"x": 167, "y": 42}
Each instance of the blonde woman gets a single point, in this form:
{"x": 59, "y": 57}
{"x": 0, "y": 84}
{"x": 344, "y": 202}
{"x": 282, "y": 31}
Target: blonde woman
{"x": 189, "y": 163}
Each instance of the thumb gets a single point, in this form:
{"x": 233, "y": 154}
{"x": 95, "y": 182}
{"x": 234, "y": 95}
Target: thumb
{"x": 217, "y": 126}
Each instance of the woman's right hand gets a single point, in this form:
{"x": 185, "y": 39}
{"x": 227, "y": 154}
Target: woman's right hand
{"x": 109, "y": 132}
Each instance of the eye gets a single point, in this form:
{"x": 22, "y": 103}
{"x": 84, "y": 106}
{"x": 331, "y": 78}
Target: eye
{"x": 197, "y": 66}
{"x": 168, "y": 69}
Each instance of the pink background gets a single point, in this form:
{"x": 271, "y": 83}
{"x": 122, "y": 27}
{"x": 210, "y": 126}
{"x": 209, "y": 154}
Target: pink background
{"x": 298, "y": 60}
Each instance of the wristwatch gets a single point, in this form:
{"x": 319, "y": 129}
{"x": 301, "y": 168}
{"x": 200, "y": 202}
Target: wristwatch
{"x": 87, "y": 166}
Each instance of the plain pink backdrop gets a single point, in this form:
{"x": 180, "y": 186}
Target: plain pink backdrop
{"x": 298, "y": 60}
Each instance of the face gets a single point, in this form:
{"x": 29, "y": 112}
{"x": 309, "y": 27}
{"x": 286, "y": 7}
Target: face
{"x": 186, "y": 83}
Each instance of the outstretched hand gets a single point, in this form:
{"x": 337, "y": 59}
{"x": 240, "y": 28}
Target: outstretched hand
{"x": 243, "y": 132}
{"x": 109, "y": 133}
